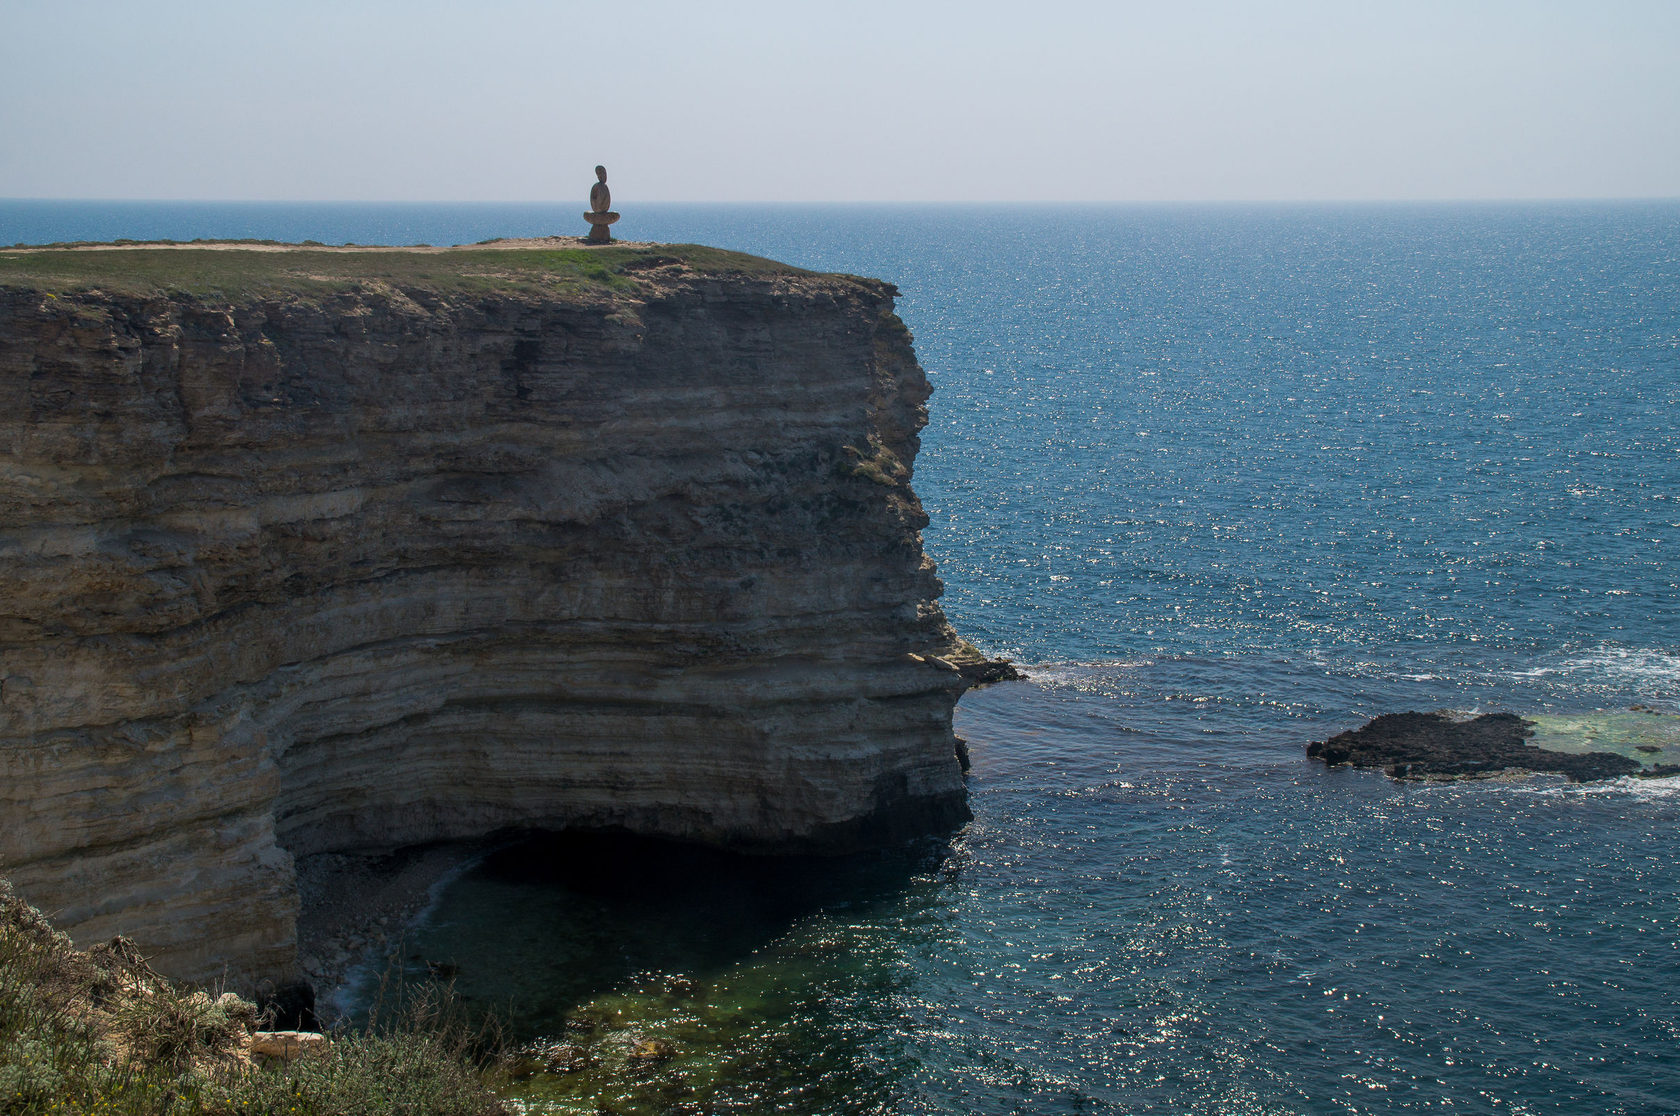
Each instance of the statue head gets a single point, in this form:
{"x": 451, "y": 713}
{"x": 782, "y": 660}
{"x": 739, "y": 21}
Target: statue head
{"x": 601, "y": 174}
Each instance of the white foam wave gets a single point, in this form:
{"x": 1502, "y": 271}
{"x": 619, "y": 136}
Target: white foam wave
{"x": 1666, "y": 789}
{"x": 1075, "y": 674}
{"x": 1651, "y": 671}
{"x": 1643, "y": 667}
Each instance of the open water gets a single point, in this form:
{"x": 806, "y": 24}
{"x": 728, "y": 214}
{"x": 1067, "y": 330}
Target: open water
{"x": 1225, "y": 480}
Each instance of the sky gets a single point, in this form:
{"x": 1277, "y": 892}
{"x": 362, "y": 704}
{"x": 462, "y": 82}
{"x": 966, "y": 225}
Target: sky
{"x": 841, "y": 100}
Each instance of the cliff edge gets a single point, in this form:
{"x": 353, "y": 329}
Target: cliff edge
{"x": 308, "y": 550}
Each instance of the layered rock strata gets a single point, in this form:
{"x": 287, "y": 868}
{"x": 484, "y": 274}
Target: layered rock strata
{"x": 356, "y": 565}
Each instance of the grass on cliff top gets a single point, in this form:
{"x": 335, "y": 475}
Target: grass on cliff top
{"x": 263, "y": 268}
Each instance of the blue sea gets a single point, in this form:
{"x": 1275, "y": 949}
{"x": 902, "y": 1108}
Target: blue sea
{"x": 1224, "y": 480}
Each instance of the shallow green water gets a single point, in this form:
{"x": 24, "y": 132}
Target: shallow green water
{"x": 1649, "y": 736}
{"x": 651, "y": 973}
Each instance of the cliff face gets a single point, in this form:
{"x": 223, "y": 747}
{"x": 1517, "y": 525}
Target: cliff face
{"x": 366, "y": 564}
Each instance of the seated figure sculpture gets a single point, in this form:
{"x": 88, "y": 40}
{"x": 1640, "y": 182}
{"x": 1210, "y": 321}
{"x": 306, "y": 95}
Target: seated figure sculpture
{"x": 600, "y": 206}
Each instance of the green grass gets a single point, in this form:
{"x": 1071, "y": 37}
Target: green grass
{"x": 877, "y": 463}
{"x": 313, "y": 272}
{"x": 99, "y": 1032}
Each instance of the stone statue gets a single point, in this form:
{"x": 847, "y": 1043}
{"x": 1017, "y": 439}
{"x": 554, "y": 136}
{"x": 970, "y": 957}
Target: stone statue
{"x": 600, "y": 206}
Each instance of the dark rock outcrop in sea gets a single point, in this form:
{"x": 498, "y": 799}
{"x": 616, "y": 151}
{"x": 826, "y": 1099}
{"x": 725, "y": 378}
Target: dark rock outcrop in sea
{"x": 321, "y": 551}
{"x": 1437, "y": 744}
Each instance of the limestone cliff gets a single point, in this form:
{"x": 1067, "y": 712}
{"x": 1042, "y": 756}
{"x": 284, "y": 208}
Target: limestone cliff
{"x": 305, "y": 551}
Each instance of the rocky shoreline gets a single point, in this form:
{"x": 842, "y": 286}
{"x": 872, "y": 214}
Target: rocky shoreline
{"x": 356, "y": 909}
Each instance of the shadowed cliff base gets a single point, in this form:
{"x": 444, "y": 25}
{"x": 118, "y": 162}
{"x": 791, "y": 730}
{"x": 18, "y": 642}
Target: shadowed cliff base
{"x": 314, "y": 551}
{"x": 356, "y": 909}
{"x": 602, "y": 953}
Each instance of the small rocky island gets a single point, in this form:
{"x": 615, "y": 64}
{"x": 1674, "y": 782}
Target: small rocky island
{"x": 1445, "y": 745}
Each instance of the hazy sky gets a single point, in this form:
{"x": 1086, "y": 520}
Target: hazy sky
{"x": 843, "y": 100}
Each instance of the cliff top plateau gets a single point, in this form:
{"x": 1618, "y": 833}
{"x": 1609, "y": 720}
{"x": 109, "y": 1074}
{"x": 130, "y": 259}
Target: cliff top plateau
{"x": 239, "y": 269}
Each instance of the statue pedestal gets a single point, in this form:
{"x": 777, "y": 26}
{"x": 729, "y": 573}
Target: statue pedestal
{"x": 598, "y": 223}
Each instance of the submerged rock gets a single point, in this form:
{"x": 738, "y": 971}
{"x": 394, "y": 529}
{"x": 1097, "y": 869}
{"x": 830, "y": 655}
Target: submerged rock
{"x": 546, "y": 1056}
{"x": 1439, "y": 744}
{"x": 650, "y": 1051}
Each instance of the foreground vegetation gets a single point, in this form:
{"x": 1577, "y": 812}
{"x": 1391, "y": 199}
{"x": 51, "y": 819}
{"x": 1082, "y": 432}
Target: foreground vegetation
{"x": 100, "y": 1032}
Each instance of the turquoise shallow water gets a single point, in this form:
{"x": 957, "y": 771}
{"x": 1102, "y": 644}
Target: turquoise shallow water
{"x": 1227, "y": 480}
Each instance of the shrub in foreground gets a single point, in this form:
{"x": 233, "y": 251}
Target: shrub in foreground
{"x": 100, "y": 1032}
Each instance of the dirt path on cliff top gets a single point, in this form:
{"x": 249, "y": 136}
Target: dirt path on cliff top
{"x": 506, "y": 243}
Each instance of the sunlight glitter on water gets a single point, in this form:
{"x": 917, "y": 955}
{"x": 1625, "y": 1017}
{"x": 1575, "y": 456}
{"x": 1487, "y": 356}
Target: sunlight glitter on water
{"x": 1122, "y": 924}
{"x": 1396, "y": 457}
